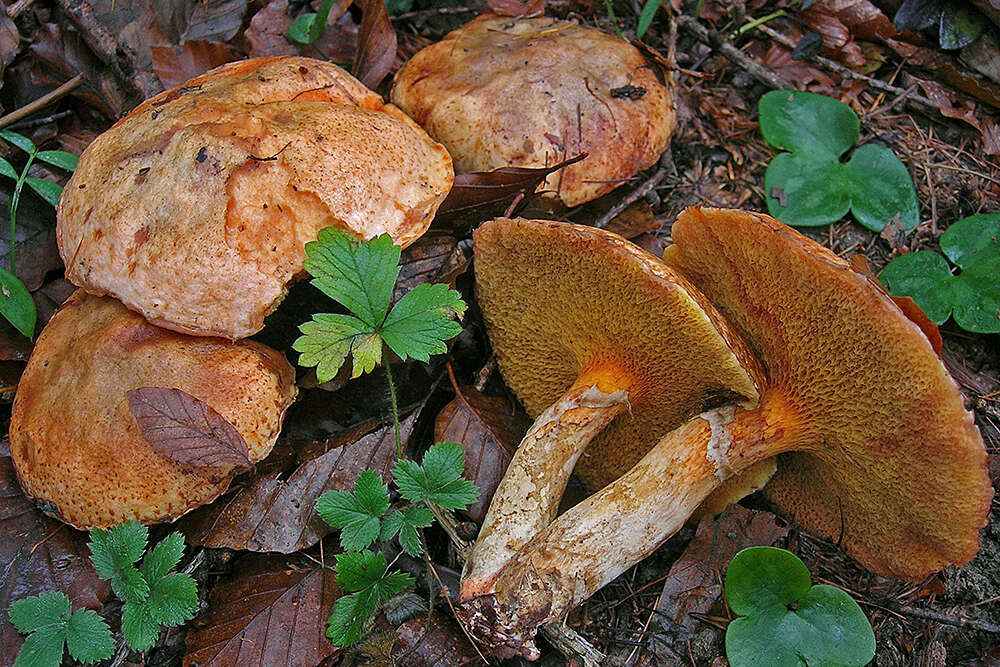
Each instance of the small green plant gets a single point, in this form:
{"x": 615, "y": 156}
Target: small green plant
{"x": 957, "y": 24}
{"x": 973, "y": 295}
{"x": 783, "y": 620}
{"x": 361, "y": 276}
{"x": 52, "y": 625}
{"x": 307, "y": 28}
{"x": 153, "y": 596}
{"x": 810, "y": 185}
{"x": 16, "y": 304}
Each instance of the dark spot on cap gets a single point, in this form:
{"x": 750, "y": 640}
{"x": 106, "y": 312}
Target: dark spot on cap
{"x": 202, "y": 154}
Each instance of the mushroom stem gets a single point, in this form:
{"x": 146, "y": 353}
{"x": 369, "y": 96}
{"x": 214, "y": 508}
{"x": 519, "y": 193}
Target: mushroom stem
{"x": 570, "y": 560}
{"x": 528, "y": 497}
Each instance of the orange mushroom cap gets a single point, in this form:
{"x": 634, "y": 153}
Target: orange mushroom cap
{"x": 74, "y": 442}
{"x": 530, "y": 92}
{"x": 195, "y": 208}
{"x": 890, "y": 461}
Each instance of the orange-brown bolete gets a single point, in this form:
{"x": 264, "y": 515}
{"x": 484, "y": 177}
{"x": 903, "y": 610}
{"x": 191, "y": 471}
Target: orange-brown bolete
{"x": 532, "y": 92}
{"x": 603, "y": 343}
{"x": 195, "y": 208}
{"x": 874, "y": 446}
{"x": 74, "y": 442}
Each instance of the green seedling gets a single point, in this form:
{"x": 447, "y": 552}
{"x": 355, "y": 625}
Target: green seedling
{"x": 973, "y": 295}
{"x": 366, "y": 516}
{"x": 810, "y": 185}
{"x": 16, "y": 304}
{"x": 307, "y": 28}
{"x": 52, "y": 626}
{"x": 784, "y": 621}
{"x": 957, "y": 24}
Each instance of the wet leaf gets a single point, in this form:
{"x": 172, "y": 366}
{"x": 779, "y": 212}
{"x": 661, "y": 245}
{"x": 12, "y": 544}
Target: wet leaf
{"x": 437, "y": 642}
{"x": 10, "y": 41}
{"x": 185, "y": 20}
{"x": 273, "y": 613}
{"x": 862, "y": 18}
{"x": 376, "y": 44}
{"x": 16, "y": 304}
{"x": 516, "y": 7}
{"x": 39, "y": 555}
{"x": 489, "y": 429}
{"x": 276, "y": 514}
{"x": 35, "y": 250}
{"x": 694, "y": 582}
{"x": 187, "y": 430}
{"x": 960, "y": 25}
{"x": 176, "y": 64}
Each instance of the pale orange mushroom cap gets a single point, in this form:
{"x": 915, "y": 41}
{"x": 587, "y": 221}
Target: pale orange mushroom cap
{"x": 74, "y": 442}
{"x": 195, "y": 208}
{"x": 531, "y": 92}
{"x": 891, "y": 464}
{"x": 564, "y": 302}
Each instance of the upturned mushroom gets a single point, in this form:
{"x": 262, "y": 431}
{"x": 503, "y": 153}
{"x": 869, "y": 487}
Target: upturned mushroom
{"x": 195, "y": 208}
{"x": 74, "y": 442}
{"x": 874, "y": 446}
{"x": 604, "y": 344}
{"x": 531, "y": 92}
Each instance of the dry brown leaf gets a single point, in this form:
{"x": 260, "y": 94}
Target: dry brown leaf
{"x": 38, "y": 555}
{"x": 943, "y": 65}
{"x": 434, "y": 258}
{"x": 490, "y": 429}
{"x": 185, "y": 20}
{"x": 273, "y": 613}
{"x": 10, "y": 41}
{"x": 517, "y": 7}
{"x": 862, "y": 18}
{"x": 276, "y": 514}
{"x": 187, "y": 430}
{"x": 837, "y": 39}
{"x": 376, "y": 44}
{"x": 803, "y": 75}
{"x": 267, "y": 30}
{"x": 437, "y": 642}
{"x": 174, "y": 65}
{"x": 694, "y": 582}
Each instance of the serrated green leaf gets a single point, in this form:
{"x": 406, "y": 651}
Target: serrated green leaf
{"x": 410, "y": 480}
{"x": 390, "y": 526}
{"x": 47, "y": 190}
{"x": 421, "y": 321}
{"x": 29, "y": 614}
{"x": 7, "y": 169}
{"x": 61, "y": 159}
{"x": 358, "y": 514}
{"x": 391, "y": 584}
{"x": 359, "y": 570}
{"x": 372, "y": 494}
{"x": 19, "y": 140}
{"x": 16, "y": 304}
{"x": 439, "y": 480}
{"x": 327, "y": 340}
{"x": 409, "y": 537}
{"x": 367, "y": 353}
{"x": 163, "y": 557}
{"x": 123, "y": 544}
{"x": 43, "y": 647}
{"x": 88, "y": 637}
{"x": 358, "y": 275}
{"x": 138, "y": 628}
{"x": 129, "y": 584}
{"x": 351, "y": 615}
{"x": 172, "y": 599}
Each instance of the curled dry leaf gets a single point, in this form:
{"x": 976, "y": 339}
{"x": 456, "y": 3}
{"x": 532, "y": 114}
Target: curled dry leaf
{"x": 694, "y": 582}
{"x": 434, "y": 642}
{"x": 176, "y": 64}
{"x": 862, "y": 18}
{"x": 276, "y": 514}
{"x": 187, "y": 430}
{"x": 273, "y": 613}
{"x": 39, "y": 555}
{"x": 376, "y": 44}
{"x": 837, "y": 39}
{"x": 490, "y": 430}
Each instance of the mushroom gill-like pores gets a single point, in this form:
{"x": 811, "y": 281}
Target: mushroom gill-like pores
{"x": 531, "y": 92}
{"x": 74, "y": 442}
{"x": 599, "y": 340}
{"x": 887, "y": 459}
{"x": 195, "y": 208}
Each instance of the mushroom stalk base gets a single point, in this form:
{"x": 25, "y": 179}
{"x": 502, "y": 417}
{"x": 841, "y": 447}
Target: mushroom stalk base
{"x": 573, "y": 558}
{"x": 528, "y": 497}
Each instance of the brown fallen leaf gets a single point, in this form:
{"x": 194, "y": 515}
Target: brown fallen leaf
{"x": 187, "y": 430}
{"x": 437, "y": 642}
{"x": 837, "y": 39}
{"x": 185, "y": 20}
{"x": 950, "y": 73}
{"x": 434, "y": 258}
{"x": 276, "y": 514}
{"x": 517, "y": 7}
{"x": 266, "y": 32}
{"x": 176, "y": 64}
{"x": 694, "y": 582}
{"x": 273, "y": 612}
{"x": 863, "y": 19}
{"x": 10, "y": 41}
{"x": 489, "y": 429}
{"x": 376, "y": 44}
{"x": 38, "y": 555}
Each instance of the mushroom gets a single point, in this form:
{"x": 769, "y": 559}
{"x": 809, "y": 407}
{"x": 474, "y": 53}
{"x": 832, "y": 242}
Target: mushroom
{"x": 874, "y": 446}
{"x": 74, "y": 442}
{"x": 195, "y": 208}
{"x": 531, "y": 92}
{"x": 599, "y": 340}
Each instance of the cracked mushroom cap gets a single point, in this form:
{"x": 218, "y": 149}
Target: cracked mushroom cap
{"x": 74, "y": 442}
{"x": 564, "y": 302}
{"x": 531, "y": 92}
{"x": 194, "y": 209}
{"x": 893, "y": 464}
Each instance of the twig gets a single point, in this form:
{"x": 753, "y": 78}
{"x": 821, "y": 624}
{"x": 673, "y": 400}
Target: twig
{"x": 636, "y": 194}
{"x": 714, "y": 39}
{"x": 41, "y": 102}
{"x": 36, "y": 122}
{"x": 19, "y": 8}
{"x": 901, "y": 93}
{"x": 947, "y": 619}
{"x": 569, "y": 642}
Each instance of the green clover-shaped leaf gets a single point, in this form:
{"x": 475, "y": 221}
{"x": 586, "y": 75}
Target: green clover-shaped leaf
{"x": 973, "y": 295}
{"x": 783, "y": 621}
{"x": 809, "y": 185}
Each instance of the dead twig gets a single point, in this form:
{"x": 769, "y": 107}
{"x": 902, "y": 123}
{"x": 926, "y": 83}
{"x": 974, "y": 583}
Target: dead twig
{"x": 947, "y": 619}
{"x": 718, "y": 42}
{"x": 636, "y": 194}
{"x": 41, "y": 102}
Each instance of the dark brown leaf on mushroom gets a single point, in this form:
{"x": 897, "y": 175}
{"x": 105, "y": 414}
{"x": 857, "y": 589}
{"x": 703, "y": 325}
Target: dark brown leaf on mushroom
{"x": 187, "y": 430}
